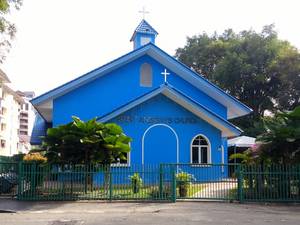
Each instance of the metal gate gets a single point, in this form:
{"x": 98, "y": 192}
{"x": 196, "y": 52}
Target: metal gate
{"x": 150, "y": 182}
{"x": 206, "y": 181}
{"x": 8, "y": 179}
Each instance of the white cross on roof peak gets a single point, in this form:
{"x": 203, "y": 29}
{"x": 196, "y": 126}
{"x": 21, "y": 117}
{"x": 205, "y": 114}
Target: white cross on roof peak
{"x": 144, "y": 12}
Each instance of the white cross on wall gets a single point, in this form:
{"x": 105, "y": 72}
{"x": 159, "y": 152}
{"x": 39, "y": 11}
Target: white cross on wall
{"x": 165, "y": 73}
{"x": 144, "y": 12}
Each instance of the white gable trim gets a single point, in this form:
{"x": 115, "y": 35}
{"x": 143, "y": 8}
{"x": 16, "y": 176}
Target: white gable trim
{"x": 228, "y": 130}
{"x": 234, "y": 107}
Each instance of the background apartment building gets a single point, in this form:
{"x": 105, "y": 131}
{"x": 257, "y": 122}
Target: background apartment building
{"x": 26, "y": 120}
{"x": 16, "y": 119}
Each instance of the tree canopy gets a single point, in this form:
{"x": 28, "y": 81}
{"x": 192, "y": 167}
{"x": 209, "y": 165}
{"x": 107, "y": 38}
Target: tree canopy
{"x": 86, "y": 142}
{"x": 281, "y": 138}
{"x": 259, "y": 69}
{"x": 7, "y": 28}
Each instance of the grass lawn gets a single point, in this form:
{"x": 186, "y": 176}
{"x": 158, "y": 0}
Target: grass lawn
{"x": 118, "y": 192}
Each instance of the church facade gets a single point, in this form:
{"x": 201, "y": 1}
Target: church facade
{"x": 172, "y": 114}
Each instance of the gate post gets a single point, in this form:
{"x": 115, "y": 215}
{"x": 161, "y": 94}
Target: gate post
{"x": 160, "y": 181}
{"x": 240, "y": 183}
{"x": 173, "y": 184}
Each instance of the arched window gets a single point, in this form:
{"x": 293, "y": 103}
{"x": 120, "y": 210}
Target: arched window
{"x": 200, "y": 150}
{"x": 146, "y": 75}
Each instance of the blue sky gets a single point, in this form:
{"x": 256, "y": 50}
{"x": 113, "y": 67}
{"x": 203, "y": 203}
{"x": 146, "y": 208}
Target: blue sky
{"x": 59, "y": 40}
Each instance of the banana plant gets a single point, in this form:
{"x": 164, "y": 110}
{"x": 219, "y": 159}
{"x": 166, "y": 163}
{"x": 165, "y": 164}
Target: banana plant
{"x": 86, "y": 142}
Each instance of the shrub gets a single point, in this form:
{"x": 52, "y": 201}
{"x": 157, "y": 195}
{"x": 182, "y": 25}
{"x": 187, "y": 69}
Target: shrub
{"x": 34, "y": 158}
{"x": 183, "y": 180}
{"x": 136, "y": 182}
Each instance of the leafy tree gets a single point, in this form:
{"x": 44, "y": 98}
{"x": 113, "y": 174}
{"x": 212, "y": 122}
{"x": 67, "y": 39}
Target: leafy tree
{"x": 86, "y": 142}
{"x": 257, "y": 68}
{"x": 281, "y": 139}
{"x": 82, "y": 142}
{"x": 287, "y": 68}
{"x": 7, "y": 28}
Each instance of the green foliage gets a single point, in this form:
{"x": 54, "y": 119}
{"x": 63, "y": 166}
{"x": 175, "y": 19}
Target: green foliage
{"x": 246, "y": 157}
{"x": 257, "y": 68}
{"x": 183, "y": 181}
{"x": 136, "y": 182}
{"x": 7, "y": 29}
{"x": 183, "y": 178}
{"x": 85, "y": 142}
{"x": 281, "y": 139}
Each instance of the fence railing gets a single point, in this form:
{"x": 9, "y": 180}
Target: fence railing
{"x": 276, "y": 183}
{"x": 97, "y": 182}
{"x": 206, "y": 181}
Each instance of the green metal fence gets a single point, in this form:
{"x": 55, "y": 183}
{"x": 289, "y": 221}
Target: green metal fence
{"x": 92, "y": 182}
{"x": 276, "y": 183}
{"x": 6, "y": 159}
{"x": 148, "y": 182}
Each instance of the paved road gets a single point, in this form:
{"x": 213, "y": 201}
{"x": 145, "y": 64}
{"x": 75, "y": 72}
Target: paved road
{"x": 181, "y": 213}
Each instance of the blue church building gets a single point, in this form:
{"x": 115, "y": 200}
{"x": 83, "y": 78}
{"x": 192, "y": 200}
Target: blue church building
{"x": 172, "y": 114}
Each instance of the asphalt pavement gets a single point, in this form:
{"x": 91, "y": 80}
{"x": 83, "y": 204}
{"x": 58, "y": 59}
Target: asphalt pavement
{"x": 128, "y": 213}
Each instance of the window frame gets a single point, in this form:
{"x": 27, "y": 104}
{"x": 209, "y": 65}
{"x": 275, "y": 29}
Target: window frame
{"x": 145, "y": 40}
{"x": 208, "y": 146}
{"x": 118, "y": 164}
{"x": 143, "y": 77}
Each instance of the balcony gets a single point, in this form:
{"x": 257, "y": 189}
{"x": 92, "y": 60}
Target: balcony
{"x": 23, "y": 121}
{"x": 23, "y": 114}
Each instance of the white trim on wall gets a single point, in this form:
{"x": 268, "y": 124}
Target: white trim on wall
{"x": 164, "y": 125}
{"x": 208, "y": 150}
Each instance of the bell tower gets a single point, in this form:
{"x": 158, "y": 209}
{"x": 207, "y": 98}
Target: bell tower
{"x": 143, "y": 34}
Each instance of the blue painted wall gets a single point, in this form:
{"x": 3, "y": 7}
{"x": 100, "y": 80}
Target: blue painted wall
{"x": 121, "y": 86}
{"x": 161, "y": 110}
{"x": 115, "y": 89}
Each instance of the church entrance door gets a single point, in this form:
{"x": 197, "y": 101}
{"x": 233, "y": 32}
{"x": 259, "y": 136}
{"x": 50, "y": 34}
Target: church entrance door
{"x": 160, "y": 144}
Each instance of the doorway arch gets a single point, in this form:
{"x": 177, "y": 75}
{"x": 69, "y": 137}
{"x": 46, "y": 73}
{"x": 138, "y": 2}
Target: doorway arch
{"x": 160, "y": 125}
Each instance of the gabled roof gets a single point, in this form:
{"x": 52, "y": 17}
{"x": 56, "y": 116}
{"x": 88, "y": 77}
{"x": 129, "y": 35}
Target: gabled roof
{"x": 145, "y": 28}
{"x": 228, "y": 129}
{"x": 235, "y": 108}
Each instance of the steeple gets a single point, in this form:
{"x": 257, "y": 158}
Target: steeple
{"x": 143, "y": 34}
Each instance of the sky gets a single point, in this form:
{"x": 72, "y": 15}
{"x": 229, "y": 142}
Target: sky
{"x": 59, "y": 40}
